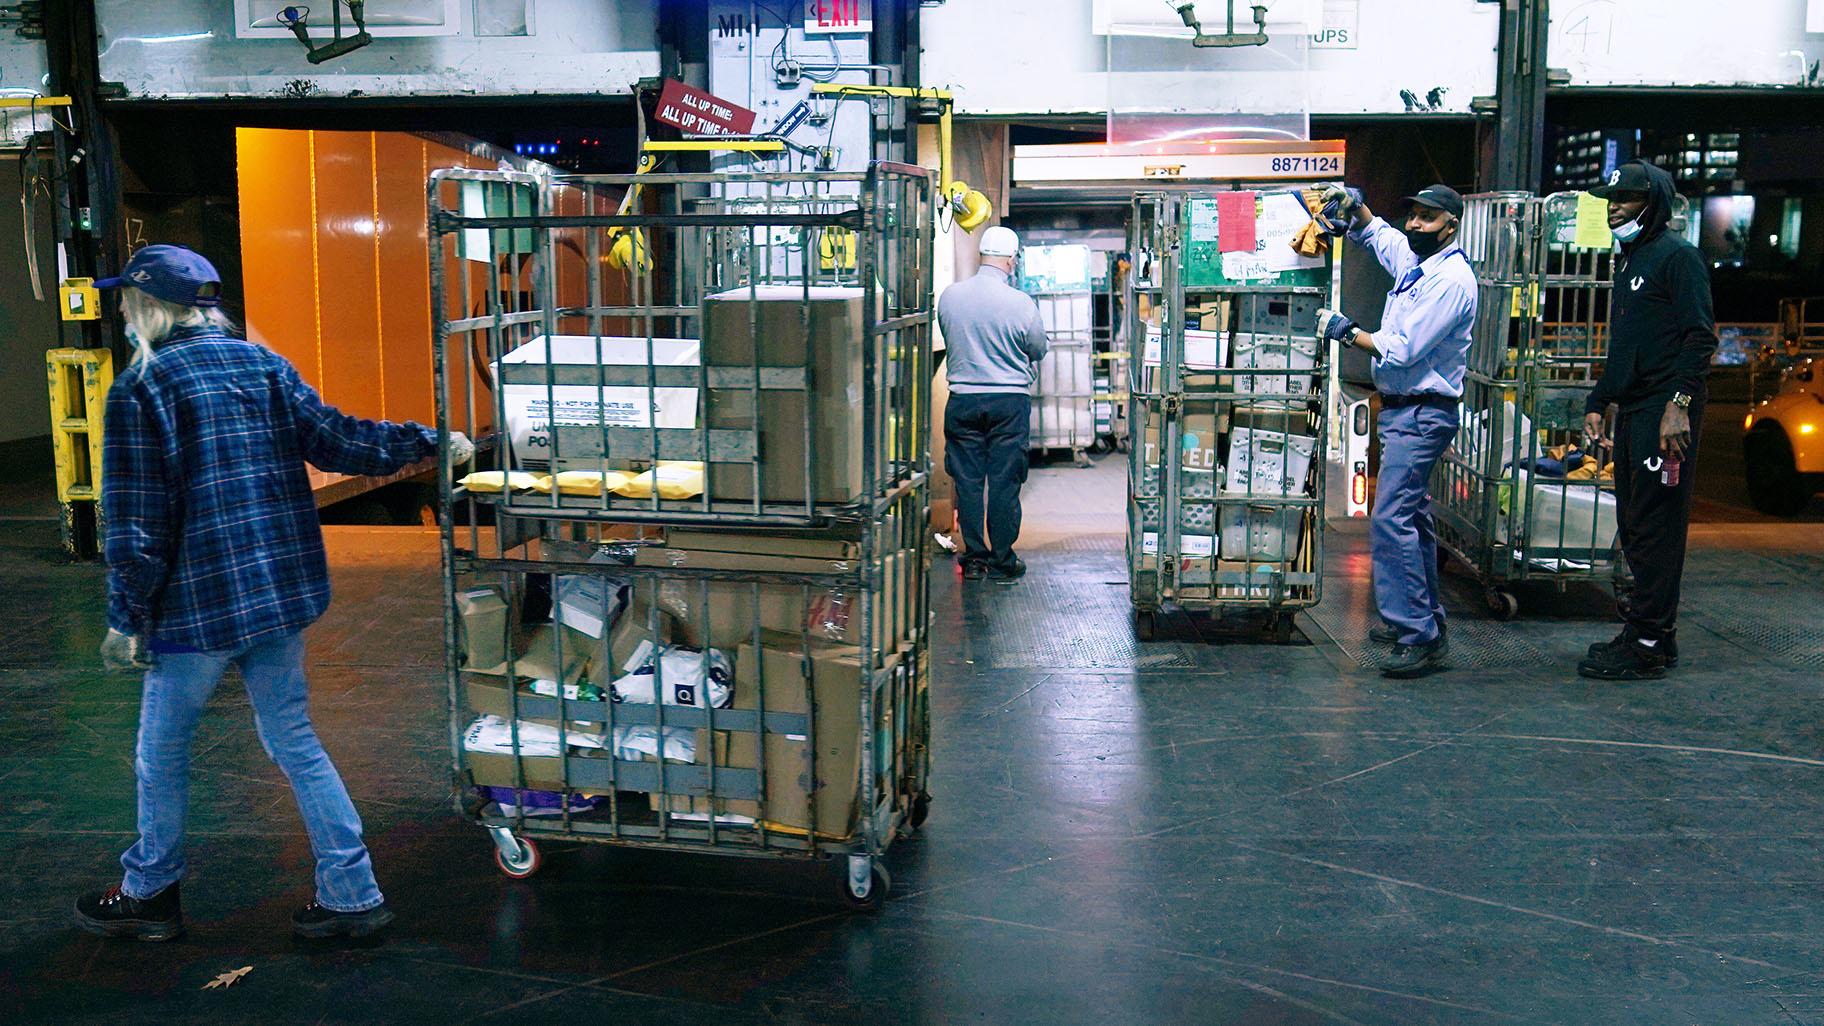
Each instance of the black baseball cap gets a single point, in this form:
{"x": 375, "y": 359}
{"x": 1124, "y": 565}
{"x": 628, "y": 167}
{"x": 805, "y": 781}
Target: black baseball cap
{"x": 173, "y": 274}
{"x": 1442, "y": 197}
{"x": 1629, "y": 177}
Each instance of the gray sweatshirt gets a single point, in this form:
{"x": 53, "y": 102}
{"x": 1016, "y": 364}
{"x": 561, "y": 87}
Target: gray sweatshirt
{"x": 992, "y": 334}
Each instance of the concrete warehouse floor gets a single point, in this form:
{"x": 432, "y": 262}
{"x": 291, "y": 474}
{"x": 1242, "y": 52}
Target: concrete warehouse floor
{"x": 1186, "y": 831}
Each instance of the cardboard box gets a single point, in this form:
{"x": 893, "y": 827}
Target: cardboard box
{"x": 488, "y": 696}
{"x": 540, "y": 658}
{"x": 702, "y": 559}
{"x": 1260, "y": 581}
{"x": 482, "y": 622}
{"x": 490, "y": 769}
{"x": 558, "y": 369}
{"x": 1196, "y": 442}
{"x": 805, "y": 544}
{"x": 832, "y": 407}
{"x": 836, "y": 681}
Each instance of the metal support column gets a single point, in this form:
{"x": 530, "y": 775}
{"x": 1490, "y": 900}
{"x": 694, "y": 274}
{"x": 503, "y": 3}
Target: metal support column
{"x": 87, "y": 206}
{"x": 1520, "y": 92}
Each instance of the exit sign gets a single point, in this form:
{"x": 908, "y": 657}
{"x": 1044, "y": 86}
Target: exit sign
{"x": 826, "y": 17}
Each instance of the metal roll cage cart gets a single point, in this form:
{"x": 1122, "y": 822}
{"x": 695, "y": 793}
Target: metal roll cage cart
{"x": 641, "y": 355}
{"x": 1226, "y": 482}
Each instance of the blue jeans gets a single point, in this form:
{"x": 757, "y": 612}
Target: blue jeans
{"x": 1403, "y": 538}
{"x": 176, "y": 689}
{"x": 985, "y": 440}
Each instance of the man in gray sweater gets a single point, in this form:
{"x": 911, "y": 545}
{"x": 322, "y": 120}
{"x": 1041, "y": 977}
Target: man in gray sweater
{"x": 993, "y": 338}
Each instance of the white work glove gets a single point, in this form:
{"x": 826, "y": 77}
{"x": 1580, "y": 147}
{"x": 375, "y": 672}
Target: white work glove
{"x": 461, "y": 449}
{"x": 123, "y": 653}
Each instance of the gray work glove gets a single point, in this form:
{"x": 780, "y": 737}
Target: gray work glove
{"x": 123, "y": 653}
{"x": 461, "y": 449}
{"x": 1342, "y": 207}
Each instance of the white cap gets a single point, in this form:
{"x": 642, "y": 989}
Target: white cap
{"x": 1000, "y": 241}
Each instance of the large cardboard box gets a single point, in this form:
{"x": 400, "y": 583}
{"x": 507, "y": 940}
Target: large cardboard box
{"x": 542, "y": 659}
{"x": 556, "y": 380}
{"x": 1196, "y": 442}
{"x": 836, "y": 680}
{"x": 775, "y": 315}
{"x": 804, "y": 544}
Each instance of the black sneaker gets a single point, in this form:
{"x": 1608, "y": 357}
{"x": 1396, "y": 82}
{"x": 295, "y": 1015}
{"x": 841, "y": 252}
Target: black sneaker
{"x": 1629, "y": 661}
{"x": 1668, "y": 645}
{"x": 1011, "y": 572}
{"x": 974, "y": 571}
{"x": 1409, "y": 661}
{"x": 1388, "y": 634}
{"x": 114, "y": 913}
{"x": 316, "y": 922}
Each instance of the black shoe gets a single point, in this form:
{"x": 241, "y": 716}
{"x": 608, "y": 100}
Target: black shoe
{"x": 1416, "y": 660}
{"x": 1668, "y": 645}
{"x": 1628, "y": 661}
{"x": 1011, "y": 572}
{"x": 1388, "y": 634}
{"x": 316, "y": 922}
{"x": 114, "y": 913}
{"x": 974, "y": 571}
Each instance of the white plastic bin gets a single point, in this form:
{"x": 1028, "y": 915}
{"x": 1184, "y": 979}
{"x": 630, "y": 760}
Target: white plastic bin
{"x": 1268, "y": 463}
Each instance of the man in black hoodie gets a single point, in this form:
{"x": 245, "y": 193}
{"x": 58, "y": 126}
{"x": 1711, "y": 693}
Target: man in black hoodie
{"x": 1661, "y": 337}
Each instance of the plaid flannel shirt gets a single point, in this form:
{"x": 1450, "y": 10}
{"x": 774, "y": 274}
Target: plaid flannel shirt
{"x": 212, "y": 532}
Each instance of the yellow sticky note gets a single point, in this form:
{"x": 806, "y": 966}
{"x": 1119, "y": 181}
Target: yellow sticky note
{"x": 1593, "y": 222}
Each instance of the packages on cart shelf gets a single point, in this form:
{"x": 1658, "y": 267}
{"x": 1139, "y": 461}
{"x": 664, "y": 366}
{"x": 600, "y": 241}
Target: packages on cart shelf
{"x": 817, "y": 329}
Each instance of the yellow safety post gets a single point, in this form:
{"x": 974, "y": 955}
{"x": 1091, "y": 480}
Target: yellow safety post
{"x": 79, "y": 381}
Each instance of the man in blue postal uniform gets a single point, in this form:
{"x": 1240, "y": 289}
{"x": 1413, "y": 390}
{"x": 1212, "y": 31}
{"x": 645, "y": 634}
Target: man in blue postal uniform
{"x": 1421, "y": 353}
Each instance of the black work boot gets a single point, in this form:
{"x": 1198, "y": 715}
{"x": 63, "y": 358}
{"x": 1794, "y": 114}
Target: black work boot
{"x": 1633, "y": 659}
{"x": 1416, "y": 660}
{"x": 1668, "y": 645}
{"x": 974, "y": 570}
{"x": 114, "y": 913}
{"x": 1388, "y": 634}
{"x": 1013, "y": 570}
{"x": 316, "y": 922}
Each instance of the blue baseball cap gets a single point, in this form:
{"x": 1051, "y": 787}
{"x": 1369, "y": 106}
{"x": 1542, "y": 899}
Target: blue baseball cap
{"x": 171, "y": 273}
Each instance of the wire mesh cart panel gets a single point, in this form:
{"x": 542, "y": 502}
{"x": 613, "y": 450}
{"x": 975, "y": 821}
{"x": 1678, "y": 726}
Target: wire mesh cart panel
{"x": 1226, "y": 482}
{"x": 1520, "y": 495}
{"x": 686, "y": 581}
{"x": 1063, "y": 392}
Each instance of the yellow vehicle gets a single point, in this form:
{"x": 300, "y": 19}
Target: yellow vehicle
{"x": 1783, "y": 444}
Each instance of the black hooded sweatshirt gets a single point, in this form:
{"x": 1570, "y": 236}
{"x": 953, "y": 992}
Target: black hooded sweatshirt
{"x": 1662, "y": 332}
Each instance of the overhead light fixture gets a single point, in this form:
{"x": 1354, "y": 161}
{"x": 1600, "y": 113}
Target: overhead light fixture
{"x": 295, "y": 18}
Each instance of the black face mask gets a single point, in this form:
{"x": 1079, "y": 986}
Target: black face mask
{"x": 1423, "y": 244}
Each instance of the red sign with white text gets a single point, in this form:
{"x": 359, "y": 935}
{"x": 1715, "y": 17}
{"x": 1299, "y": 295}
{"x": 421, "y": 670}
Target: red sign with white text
{"x": 692, "y": 110}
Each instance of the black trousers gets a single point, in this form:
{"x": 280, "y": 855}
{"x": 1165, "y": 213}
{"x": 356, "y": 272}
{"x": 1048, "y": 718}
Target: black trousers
{"x": 1653, "y": 518}
{"x": 985, "y": 442}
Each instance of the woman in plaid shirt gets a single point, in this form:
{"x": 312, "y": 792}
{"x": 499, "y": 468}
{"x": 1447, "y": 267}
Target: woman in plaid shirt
{"x": 215, "y": 557}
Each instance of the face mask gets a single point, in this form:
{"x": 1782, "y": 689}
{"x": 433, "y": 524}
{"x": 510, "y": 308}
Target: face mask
{"x": 1423, "y": 244}
{"x": 1628, "y": 232}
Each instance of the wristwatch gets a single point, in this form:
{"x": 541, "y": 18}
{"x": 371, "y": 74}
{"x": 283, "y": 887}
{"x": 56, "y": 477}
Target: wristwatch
{"x": 1681, "y": 400}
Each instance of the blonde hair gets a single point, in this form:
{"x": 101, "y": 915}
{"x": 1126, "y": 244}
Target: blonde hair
{"x": 153, "y": 319}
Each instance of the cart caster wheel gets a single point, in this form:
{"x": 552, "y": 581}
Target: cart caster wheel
{"x": 1282, "y": 630}
{"x": 526, "y": 863}
{"x": 1146, "y": 624}
{"x": 1503, "y": 604}
{"x": 921, "y": 810}
{"x": 865, "y": 884}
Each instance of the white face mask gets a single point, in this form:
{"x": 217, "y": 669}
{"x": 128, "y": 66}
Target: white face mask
{"x": 1628, "y": 232}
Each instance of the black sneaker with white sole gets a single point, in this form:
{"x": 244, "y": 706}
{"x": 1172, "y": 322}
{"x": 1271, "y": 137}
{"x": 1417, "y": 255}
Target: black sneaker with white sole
{"x": 316, "y": 922}
{"x": 115, "y": 913}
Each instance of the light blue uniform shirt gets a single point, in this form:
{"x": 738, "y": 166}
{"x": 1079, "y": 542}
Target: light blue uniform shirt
{"x": 1424, "y": 336}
